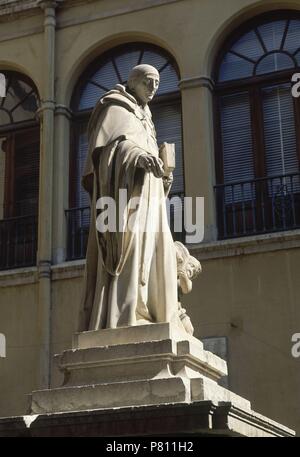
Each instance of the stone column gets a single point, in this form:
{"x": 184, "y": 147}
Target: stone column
{"x": 199, "y": 146}
{"x": 46, "y": 113}
{"x": 61, "y": 181}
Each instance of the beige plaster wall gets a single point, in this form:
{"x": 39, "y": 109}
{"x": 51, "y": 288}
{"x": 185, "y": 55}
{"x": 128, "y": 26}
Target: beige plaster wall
{"x": 66, "y": 296}
{"x": 254, "y": 301}
{"x": 22, "y": 50}
{"x": 19, "y": 322}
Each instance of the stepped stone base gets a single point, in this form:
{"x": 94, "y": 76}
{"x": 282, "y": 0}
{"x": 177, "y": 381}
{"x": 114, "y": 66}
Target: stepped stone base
{"x": 148, "y": 368}
{"x": 131, "y": 366}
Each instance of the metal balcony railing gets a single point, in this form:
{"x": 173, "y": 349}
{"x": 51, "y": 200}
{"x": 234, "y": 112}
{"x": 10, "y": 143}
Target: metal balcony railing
{"x": 18, "y": 242}
{"x": 257, "y": 206}
{"x": 78, "y": 222}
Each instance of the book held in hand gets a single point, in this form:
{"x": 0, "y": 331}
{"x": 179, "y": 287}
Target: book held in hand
{"x": 167, "y": 155}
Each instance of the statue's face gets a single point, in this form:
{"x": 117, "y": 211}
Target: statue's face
{"x": 146, "y": 87}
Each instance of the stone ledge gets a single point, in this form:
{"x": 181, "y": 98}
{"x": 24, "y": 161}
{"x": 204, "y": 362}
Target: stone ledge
{"x": 201, "y": 418}
{"x": 110, "y": 395}
{"x": 246, "y": 245}
{"x": 211, "y": 250}
{"x": 68, "y": 270}
{"x": 133, "y": 334}
{"x": 18, "y": 276}
{"x": 12, "y": 9}
{"x": 206, "y": 389}
{"x": 253, "y": 423}
{"x": 206, "y": 251}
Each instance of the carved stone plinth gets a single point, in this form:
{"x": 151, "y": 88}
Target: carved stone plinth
{"x": 147, "y": 366}
{"x": 142, "y": 365}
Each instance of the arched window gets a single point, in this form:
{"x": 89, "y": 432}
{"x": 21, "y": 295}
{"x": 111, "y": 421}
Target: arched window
{"x": 102, "y": 75}
{"x": 19, "y": 171}
{"x": 257, "y": 134}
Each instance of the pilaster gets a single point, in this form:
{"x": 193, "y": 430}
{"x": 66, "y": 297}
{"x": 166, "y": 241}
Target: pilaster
{"x": 44, "y": 255}
{"x": 62, "y": 121}
{"x": 197, "y": 104}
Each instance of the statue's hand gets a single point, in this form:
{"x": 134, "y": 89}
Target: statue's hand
{"x": 151, "y": 164}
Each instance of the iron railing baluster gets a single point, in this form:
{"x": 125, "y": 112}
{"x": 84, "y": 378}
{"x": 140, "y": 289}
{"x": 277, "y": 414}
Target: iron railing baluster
{"x": 271, "y": 204}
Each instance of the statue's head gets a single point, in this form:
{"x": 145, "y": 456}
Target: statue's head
{"x": 188, "y": 267}
{"x": 143, "y": 81}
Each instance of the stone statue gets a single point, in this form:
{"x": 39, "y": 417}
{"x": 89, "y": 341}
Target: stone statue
{"x": 130, "y": 275}
{"x": 188, "y": 268}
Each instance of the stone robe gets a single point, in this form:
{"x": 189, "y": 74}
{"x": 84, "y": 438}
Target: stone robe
{"x": 130, "y": 275}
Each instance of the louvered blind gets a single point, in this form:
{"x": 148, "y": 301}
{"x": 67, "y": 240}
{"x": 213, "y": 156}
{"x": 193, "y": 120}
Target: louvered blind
{"x": 82, "y": 197}
{"x": 258, "y": 186}
{"x": 167, "y": 120}
{"x": 280, "y": 133}
{"x": 237, "y": 144}
{"x": 26, "y": 172}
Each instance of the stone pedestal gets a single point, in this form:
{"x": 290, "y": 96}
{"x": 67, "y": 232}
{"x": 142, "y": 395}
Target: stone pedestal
{"x": 144, "y": 367}
{"x": 130, "y": 366}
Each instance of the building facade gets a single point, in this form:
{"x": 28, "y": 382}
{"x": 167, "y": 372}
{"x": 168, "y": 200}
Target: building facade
{"x": 225, "y": 100}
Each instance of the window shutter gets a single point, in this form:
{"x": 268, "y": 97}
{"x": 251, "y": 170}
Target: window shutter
{"x": 27, "y": 160}
{"x": 82, "y": 197}
{"x": 237, "y": 144}
{"x": 279, "y": 131}
{"x": 258, "y": 180}
{"x": 167, "y": 120}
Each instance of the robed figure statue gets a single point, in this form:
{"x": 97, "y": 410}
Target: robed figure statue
{"x": 130, "y": 275}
